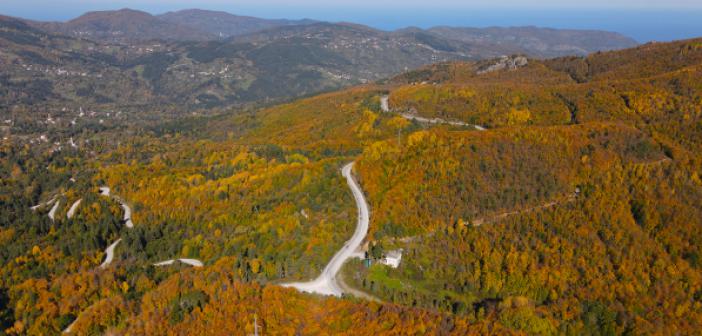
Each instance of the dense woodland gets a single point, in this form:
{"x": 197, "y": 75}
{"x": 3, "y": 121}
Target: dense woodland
{"x": 577, "y": 211}
{"x": 485, "y": 218}
{"x": 436, "y": 177}
{"x": 632, "y": 232}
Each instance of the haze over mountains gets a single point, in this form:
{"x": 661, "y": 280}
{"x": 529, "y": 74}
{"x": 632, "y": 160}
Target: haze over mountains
{"x": 223, "y": 24}
{"x": 540, "y": 42}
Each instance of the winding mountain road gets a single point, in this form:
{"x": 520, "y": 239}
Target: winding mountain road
{"x": 49, "y": 202}
{"x": 191, "y": 262}
{"x": 385, "y": 103}
{"x": 385, "y": 106}
{"x": 105, "y": 191}
{"x": 52, "y": 212}
{"x": 327, "y": 282}
{"x": 110, "y": 254}
{"x": 72, "y": 211}
{"x": 127, "y": 218}
{"x": 110, "y": 250}
{"x": 69, "y": 329}
{"x": 127, "y": 214}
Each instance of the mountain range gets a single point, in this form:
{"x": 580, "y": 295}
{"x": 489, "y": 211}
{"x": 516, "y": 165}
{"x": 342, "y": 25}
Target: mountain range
{"x": 196, "y": 58}
{"x": 128, "y": 26}
{"x": 223, "y": 24}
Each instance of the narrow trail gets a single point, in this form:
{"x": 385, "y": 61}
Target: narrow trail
{"x": 495, "y": 218}
{"x": 355, "y": 292}
{"x": 562, "y": 200}
{"x": 327, "y": 283}
{"x": 385, "y": 106}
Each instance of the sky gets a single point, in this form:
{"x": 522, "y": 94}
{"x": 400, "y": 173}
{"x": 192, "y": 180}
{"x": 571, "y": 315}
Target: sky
{"x": 644, "y": 20}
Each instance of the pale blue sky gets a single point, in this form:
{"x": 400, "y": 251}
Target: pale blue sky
{"x": 634, "y": 4}
{"x": 642, "y": 19}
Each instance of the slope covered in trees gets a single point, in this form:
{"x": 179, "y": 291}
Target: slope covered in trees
{"x": 576, "y": 211}
{"x": 627, "y": 242}
{"x": 437, "y": 175}
{"x": 214, "y": 302}
{"x": 618, "y": 256}
{"x": 651, "y": 83}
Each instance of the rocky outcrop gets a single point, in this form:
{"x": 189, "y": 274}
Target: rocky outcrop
{"x": 503, "y": 63}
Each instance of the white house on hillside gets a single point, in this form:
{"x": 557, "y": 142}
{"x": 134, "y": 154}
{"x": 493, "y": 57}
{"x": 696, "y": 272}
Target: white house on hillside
{"x": 392, "y": 258}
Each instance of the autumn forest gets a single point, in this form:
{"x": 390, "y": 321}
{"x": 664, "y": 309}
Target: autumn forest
{"x": 556, "y": 197}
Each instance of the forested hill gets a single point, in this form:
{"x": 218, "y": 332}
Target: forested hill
{"x": 526, "y": 196}
{"x": 617, "y": 84}
{"x": 225, "y": 25}
{"x": 581, "y": 201}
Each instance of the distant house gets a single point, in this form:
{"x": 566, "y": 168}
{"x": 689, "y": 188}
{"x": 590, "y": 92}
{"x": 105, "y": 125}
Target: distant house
{"x": 392, "y": 258}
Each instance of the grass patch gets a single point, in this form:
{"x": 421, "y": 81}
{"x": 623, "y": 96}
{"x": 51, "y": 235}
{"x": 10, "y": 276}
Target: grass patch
{"x": 379, "y": 274}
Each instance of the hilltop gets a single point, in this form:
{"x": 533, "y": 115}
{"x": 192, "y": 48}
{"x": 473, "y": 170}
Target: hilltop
{"x": 225, "y": 25}
{"x": 124, "y": 25}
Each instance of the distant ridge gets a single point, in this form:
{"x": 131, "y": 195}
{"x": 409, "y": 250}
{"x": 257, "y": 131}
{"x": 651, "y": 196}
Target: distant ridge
{"x": 129, "y": 57}
{"x": 124, "y": 25}
{"x": 223, "y": 24}
{"x": 130, "y": 26}
{"x": 547, "y": 42}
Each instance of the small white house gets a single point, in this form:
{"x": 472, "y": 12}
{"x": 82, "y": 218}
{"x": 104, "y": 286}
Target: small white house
{"x": 392, "y": 258}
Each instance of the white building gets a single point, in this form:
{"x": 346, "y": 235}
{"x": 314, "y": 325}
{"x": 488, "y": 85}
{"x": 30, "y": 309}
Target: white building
{"x": 392, "y": 258}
